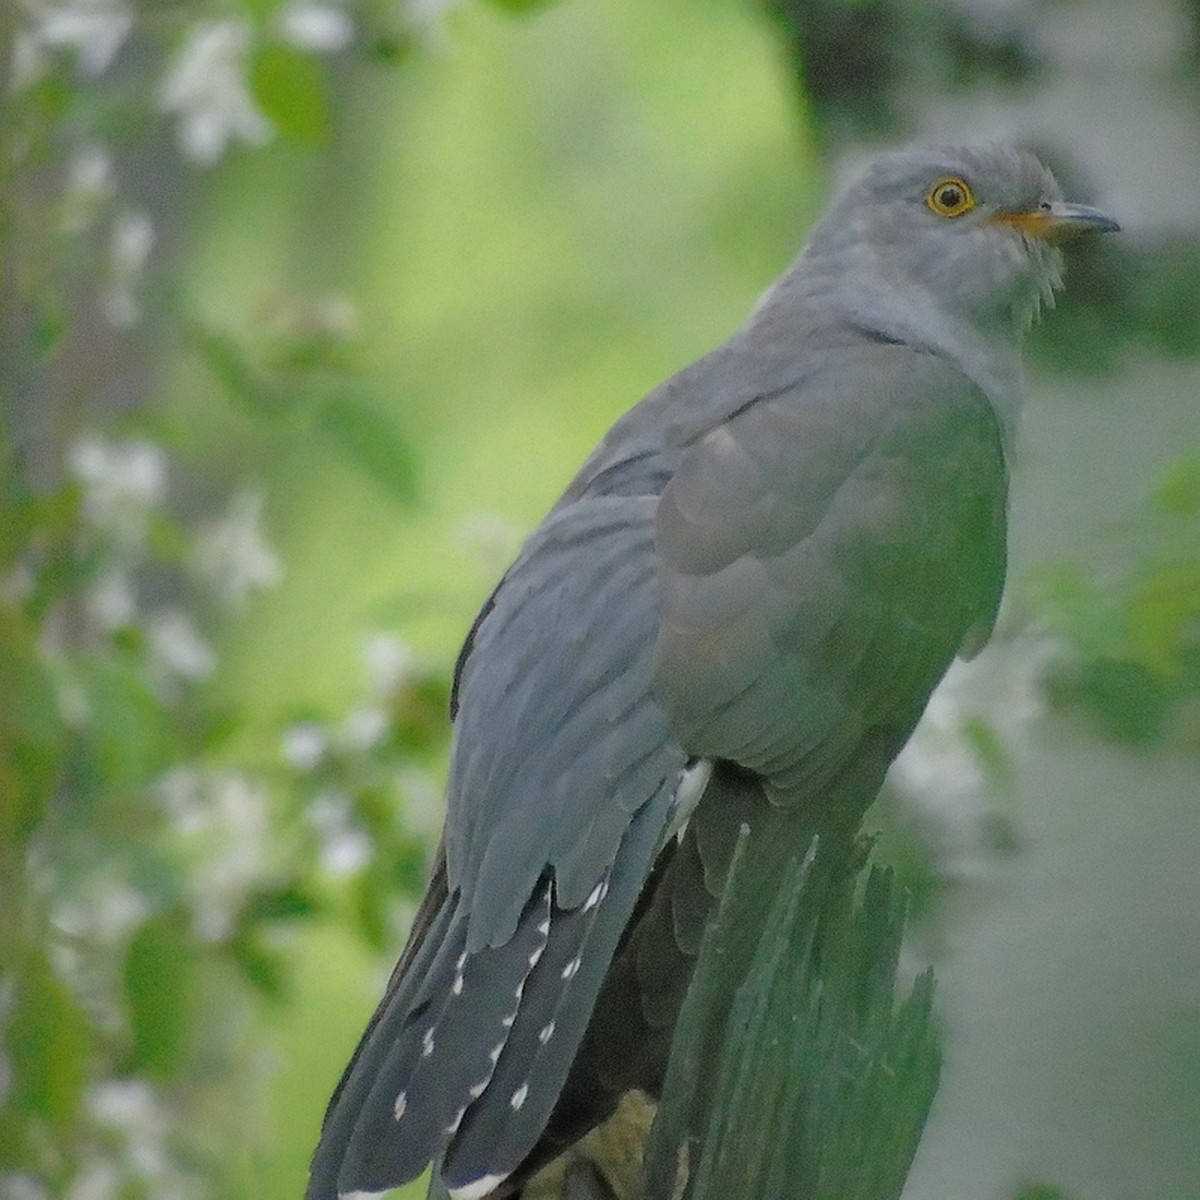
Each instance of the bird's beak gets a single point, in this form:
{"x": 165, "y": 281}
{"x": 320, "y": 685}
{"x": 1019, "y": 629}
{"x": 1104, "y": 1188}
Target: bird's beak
{"x": 1058, "y": 219}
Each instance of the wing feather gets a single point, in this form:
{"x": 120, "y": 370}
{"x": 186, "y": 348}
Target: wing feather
{"x": 824, "y": 554}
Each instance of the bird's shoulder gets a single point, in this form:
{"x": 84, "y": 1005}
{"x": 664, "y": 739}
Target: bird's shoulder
{"x": 766, "y": 471}
{"x": 823, "y": 552}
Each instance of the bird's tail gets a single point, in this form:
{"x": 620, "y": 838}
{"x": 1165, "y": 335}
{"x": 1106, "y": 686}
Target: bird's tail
{"x": 467, "y": 1054}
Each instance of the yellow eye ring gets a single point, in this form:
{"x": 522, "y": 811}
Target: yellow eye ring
{"x": 950, "y": 197}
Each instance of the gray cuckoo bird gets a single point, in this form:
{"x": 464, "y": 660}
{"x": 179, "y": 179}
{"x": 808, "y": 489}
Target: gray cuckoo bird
{"x": 740, "y": 604}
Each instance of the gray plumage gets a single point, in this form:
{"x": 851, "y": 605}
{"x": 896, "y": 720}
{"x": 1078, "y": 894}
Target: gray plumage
{"x": 755, "y": 582}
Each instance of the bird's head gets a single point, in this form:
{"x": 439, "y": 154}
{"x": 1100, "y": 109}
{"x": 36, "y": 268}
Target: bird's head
{"x": 969, "y": 232}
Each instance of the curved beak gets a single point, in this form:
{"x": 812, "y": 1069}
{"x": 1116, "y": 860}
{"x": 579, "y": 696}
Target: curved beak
{"x": 1057, "y": 219}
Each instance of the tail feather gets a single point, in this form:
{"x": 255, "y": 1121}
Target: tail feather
{"x": 501, "y": 1129}
{"x": 444, "y": 1056}
{"x": 467, "y": 1055}
{"x": 370, "y": 1156}
{"x": 361, "y": 1073}
{"x": 497, "y": 1133}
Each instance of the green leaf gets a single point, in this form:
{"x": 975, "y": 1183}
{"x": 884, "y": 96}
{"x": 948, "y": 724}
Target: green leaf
{"x": 989, "y": 748}
{"x": 233, "y": 367}
{"x": 31, "y": 733}
{"x": 130, "y": 737}
{"x": 51, "y": 325}
{"x": 265, "y": 968}
{"x": 520, "y": 6}
{"x": 160, "y": 992}
{"x": 1130, "y": 702}
{"x": 49, "y": 1042}
{"x": 370, "y": 899}
{"x": 368, "y": 439}
{"x": 279, "y": 904}
{"x": 1179, "y": 491}
{"x": 1163, "y": 613}
{"x": 290, "y": 89}
{"x": 1041, "y": 1191}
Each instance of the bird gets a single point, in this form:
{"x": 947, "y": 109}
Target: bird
{"x": 736, "y": 611}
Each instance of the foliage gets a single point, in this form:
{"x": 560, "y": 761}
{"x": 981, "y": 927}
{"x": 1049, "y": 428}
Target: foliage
{"x": 147, "y": 879}
{"x": 1132, "y": 644}
{"x": 1041, "y": 1191}
{"x": 857, "y": 60}
{"x": 150, "y": 872}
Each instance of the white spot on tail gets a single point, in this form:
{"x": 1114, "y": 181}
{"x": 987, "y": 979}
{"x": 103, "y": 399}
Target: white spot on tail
{"x": 546, "y": 1033}
{"x": 494, "y": 1052}
{"x": 477, "y": 1089}
{"x": 518, "y": 1097}
{"x": 507, "y": 1022}
{"x": 457, "y": 986}
{"x": 595, "y": 895}
{"x": 452, "y": 1128}
{"x": 569, "y": 970}
{"x": 544, "y": 928}
{"x": 462, "y": 962}
{"x": 533, "y": 958}
{"x": 427, "y": 1043}
{"x": 400, "y": 1105}
{"x": 477, "y": 1188}
{"x": 689, "y": 788}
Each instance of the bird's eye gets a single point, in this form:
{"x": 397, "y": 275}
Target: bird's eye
{"x": 950, "y": 198}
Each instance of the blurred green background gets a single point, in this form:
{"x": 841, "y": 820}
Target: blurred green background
{"x": 310, "y": 310}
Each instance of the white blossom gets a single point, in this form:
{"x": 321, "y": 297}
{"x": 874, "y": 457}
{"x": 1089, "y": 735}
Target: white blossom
{"x": 15, "y": 1186}
{"x": 390, "y": 663}
{"x": 136, "y": 1121}
{"x": 27, "y": 65}
{"x": 131, "y": 243}
{"x": 222, "y": 820}
{"x": 133, "y": 1109}
{"x": 207, "y": 87}
{"x": 91, "y": 170}
{"x": 103, "y": 913}
{"x": 122, "y": 482}
{"x": 345, "y": 847}
{"x": 940, "y": 777}
{"x": 176, "y": 647}
{"x": 321, "y": 28}
{"x": 305, "y": 745}
{"x": 17, "y": 585}
{"x": 74, "y": 705}
{"x": 90, "y": 184}
{"x": 8, "y": 996}
{"x": 96, "y": 1179}
{"x": 232, "y": 554}
{"x": 180, "y": 791}
{"x": 427, "y": 14}
{"x": 111, "y": 601}
{"x": 365, "y": 727}
{"x": 124, "y": 1104}
{"x": 93, "y": 30}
